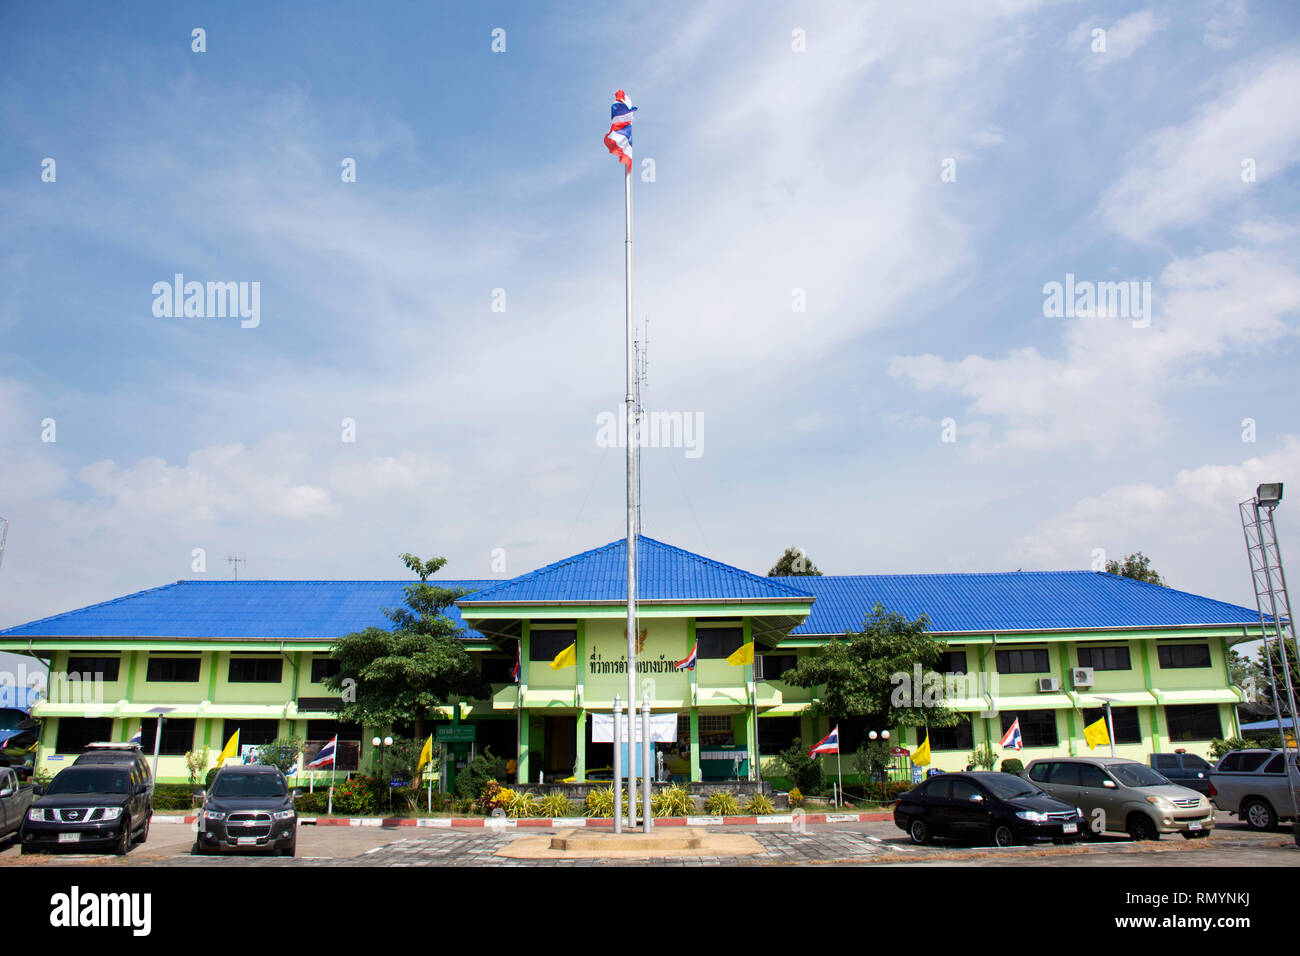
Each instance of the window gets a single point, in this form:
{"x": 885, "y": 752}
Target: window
{"x": 938, "y": 788}
{"x": 323, "y": 667}
{"x": 1242, "y": 761}
{"x": 963, "y": 790}
{"x": 1040, "y": 771}
{"x": 1184, "y": 655}
{"x": 251, "y": 732}
{"x": 958, "y": 737}
{"x": 1105, "y": 658}
{"x": 772, "y": 666}
{"x": 545, "y": 645}
{"x": 1037, "y": 727}
{"x": 951, "y": 662}
{"x": 719, "y": 642}
{"x": 1090, "y": 775}
{"x": 776, "y": 733}
{"x": 177, "y": 736}
{"x": 1193, "y": 762}
{"x": 1128, "y": 729}
{"x": 1166, "y": 761}
{"x": 75, "y": 732}
{"x": 1023, "y": 661}
{"x": 174, "y": 669}
{"x": 90, "y": 667}
{"x": 497, "y": 670}
{"x": 256, "y": 670}
{"x": 1274, "y": 765}
{"x": 1193, "y": 722}
{"x": 1064, "y": 774}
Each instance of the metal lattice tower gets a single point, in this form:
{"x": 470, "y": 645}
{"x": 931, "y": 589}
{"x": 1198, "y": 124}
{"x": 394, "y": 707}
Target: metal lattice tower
{"x": 1274, "y": 606}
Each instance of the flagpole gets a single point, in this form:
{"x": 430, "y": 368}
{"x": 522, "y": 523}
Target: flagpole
{"x": 631, "y": 501}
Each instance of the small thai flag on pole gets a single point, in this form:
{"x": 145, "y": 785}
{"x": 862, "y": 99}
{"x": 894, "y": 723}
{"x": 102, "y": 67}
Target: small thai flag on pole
{"x": 619, "y": 138}
{"x": 514, "y": 674}
{"x": 687, "y": 663}
{"x": 137, "y": 738}
{"x": 830, "y": 744}
{"x": 1012, "y": 737}
{"x": 325, "y": 757}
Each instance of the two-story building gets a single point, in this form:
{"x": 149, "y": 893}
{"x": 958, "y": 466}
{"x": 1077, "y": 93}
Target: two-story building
{"x": 1047, "y": 648}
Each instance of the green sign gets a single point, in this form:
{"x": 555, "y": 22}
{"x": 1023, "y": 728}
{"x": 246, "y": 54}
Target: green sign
{"x": 463, "y": 734}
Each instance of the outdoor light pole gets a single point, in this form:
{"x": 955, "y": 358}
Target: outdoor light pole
{"x": 1269, "y": 581}
{"x": 884, "y": 776}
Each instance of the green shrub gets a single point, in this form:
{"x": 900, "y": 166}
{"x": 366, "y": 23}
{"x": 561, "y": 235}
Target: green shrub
{"x": 722, "y": 804}
{"x": 462, "y": 805}
{"x": 673, "y": 801}
{"x": 1219, "y": 747}
{"x": 173, "y": 796}
{"x": 795, "y": 797}
{"x": 312, "y": 803}
{"x": 211, "y": 775}
{"x": 1012, "y": 765}
{"x": 360, "y": 794}
{"x": 483, "y": 768}
{"x": 493, "y": 796}
{"x": 759, "y": 805}
{"x": 600, "y": 802}
{"x": 802, "y": 769}
{"x": 556, "y": 804}
{"x": 523, "y": 804}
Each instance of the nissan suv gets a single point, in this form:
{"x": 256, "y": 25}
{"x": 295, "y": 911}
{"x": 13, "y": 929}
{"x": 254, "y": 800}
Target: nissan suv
{"x": 107, "y": 806}
{"x": 248, "y": 808}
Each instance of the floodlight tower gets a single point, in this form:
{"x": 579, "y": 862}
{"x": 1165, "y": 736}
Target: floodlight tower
{"x": 1271, "y": 592}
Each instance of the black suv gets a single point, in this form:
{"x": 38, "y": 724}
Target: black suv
{"x": 248, "y": 808}
{"x": 104, "y": 805}
{"x": 106, "y": 753}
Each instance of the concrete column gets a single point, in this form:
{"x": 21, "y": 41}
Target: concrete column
{"x": 695, "y": 745}
{"x": 580, "y": 767}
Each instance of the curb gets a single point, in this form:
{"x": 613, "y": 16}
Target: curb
{"x": 506, "y": 823}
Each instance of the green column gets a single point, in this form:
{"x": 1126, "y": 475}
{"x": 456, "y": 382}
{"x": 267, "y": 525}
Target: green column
{"x": 521, "y": 715}
{"x": 522, "y": 770}
{"x": 1064, "y": 650}
{"x": 580, "y": 767}
{"x": 695, "y": 745}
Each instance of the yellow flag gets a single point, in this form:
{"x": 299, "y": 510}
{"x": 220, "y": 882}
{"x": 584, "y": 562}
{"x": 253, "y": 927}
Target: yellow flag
{"x": 566, "y": 658}
{"x": 230, "y": 750}
{"x": 921, "y": 756}
{"x": 1096, "y": 734}
{"x": 743, "y": 656}
{"x": 426, "y": 754}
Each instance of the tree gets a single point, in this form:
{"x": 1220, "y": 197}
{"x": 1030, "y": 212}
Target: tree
{"x": 282, "y": 753}
{"x": 804, "y": 772}
{"x": 885, "y": 672}
{"x": 1260, "y": 673}
{"x": 794, "y": 561}
{"x": 1138, "y": 567}
{"x": 387, "y": 677}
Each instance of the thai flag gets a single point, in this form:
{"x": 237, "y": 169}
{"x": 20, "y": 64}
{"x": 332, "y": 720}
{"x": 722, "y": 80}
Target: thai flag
{"x": 1012, "y": 737}
{"x": 830, "y": 744}
{"x": 325, "y": 758}
{"x": 687, "y": 663}
{"x": 619, "y": 138}
{"x": 514, "y": 674}
{"x": 136, "y": 739}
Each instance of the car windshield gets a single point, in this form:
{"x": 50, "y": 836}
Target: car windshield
{"x": 1136, "y": 775}
{"x": 248, "y": 785}
{"x": 1008, "y": 785}
{"x": 96, "y": 780}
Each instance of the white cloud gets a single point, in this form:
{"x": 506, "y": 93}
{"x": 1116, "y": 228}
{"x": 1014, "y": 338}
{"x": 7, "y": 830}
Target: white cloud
{"x": 1123, "y": 38}
{"x": 1179, "y": 175}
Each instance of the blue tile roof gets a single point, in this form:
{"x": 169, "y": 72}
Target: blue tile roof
{"x": 1009, "y": 601}
{"x": 280, "y": 610}
{"x": 663, "y": 573}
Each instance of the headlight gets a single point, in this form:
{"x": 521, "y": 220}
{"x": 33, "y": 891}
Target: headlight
{"x": 1160, "y": 802}
{"x": 111, "y": 813}
{"x": 1032, "y": 815}
{"x": 1079, "y": 810}
{"x": 213, "y": 815}
{"x": 36, "y": 816}
{"x": 283, "y": 814}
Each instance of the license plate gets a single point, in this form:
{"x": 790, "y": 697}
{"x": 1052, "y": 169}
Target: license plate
{"x": 69, "y": 837}
{"x": 246, "y": 841}
{"x": 1070, "y": 828}
{"x": 1196, "y": 825}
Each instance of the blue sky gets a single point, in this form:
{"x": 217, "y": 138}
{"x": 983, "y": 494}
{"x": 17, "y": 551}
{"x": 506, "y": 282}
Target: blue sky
{"x": 775, "y": 170}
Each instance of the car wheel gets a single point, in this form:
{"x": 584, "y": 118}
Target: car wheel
{"x": 1142, "y": 827}
{"x": 1259, "y": 814}
{"x": 124, "y": 841}
{"x": 291, "y": 849}
{"x": 919, "y": 831}
{"x": 1003, "y": 835}
{"x": 144, "y": 831}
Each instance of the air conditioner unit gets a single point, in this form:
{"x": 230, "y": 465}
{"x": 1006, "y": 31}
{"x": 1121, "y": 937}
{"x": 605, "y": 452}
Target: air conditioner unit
{"x": 1048, "y": 685}
{"x": 1082, "y": 677}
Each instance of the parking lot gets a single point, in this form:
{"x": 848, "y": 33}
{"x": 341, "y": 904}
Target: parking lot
{"x": 877, "y": 843}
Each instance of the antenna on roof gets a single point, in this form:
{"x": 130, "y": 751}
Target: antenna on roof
{"x": 642, "y": 349}
{"x": 236, "y": 562}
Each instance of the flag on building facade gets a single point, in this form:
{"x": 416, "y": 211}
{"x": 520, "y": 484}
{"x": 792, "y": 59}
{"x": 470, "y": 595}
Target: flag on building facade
{"x": 687, "y": 663}
{"x": 1012, "y": 737}
{"x": 830, "y": 744}
{"x": 231, "y": 749}
{"x": 514, "y": 674}
{"x": 744, "y": 655}
{"x": 921, "y": 756}
{"x": 139, "y": 733}
{"x": 566, "y": 658}
{"x": 426, "y": 755}
{"x": 1097, "y": 734}
{"x": 619, "y": 138}
{"x": 325, "y": 756}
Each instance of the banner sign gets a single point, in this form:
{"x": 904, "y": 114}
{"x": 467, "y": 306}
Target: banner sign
{"x": 663, "y": 728}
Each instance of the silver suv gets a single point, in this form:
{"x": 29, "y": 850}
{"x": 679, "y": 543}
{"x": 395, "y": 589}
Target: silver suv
{"x": 1118, "y": 795}
{"x": 1252, "y": 785}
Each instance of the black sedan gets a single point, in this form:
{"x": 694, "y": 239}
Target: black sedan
{"x": 985, "y": 808}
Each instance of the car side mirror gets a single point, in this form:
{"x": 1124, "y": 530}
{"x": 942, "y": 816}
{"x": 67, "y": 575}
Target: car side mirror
{"x": 976, "y": 798}
{"x": 38, "y": 790}
{"x": 7, "y": 792}
{"x": 1108, "y": 784}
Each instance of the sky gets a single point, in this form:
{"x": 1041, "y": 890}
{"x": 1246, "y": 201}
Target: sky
{"x": 845, "y": 238}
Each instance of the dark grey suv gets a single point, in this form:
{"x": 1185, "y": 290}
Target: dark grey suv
{"x": 248, "y": 808}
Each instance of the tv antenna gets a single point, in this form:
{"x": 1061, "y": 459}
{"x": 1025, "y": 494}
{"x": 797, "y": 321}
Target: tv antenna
{"x": 235, "y": 563}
